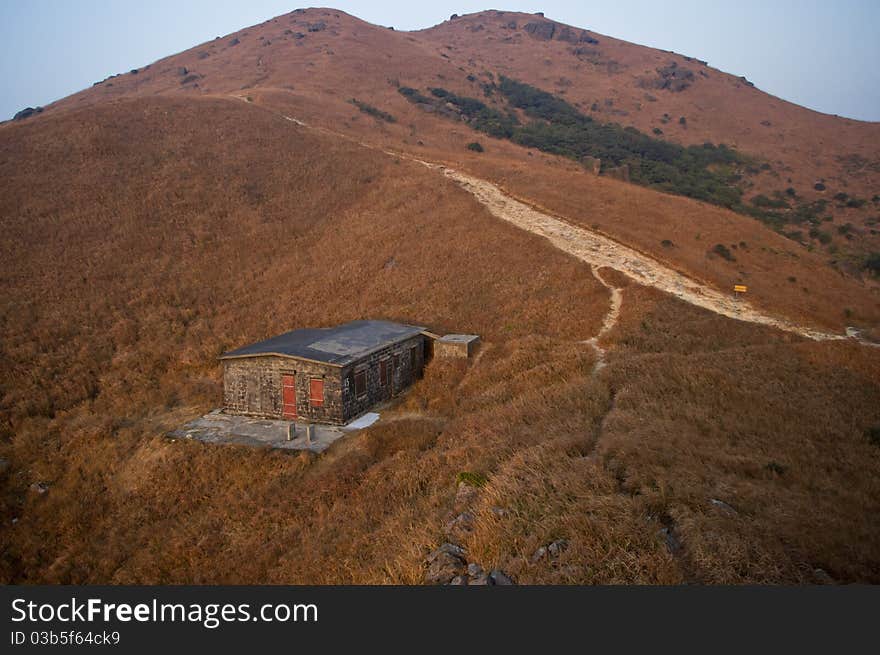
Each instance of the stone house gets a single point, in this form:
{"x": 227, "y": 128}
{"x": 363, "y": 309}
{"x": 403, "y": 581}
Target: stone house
{"x": 323, "y": 375}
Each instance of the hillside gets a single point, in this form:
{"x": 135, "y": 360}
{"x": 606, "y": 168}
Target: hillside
{"x": 151, "y": 223}
{"x": 317, "y": 60}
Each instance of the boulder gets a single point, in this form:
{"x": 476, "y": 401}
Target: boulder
{"x": 445, "y": 564}
{"x": 481, "y": 580}
{"x": 723, "y": 507}
{"x": 444, "y": 568}
{"x": 822, "y": 577}
{"x": 448, "y": 548}
{"x": 543, "y": 30}
{"x": 672, "y": 542}
{"x": 40, "y": 487}
{"x": 461, "y": 526}
{"x": 465, "y": 494}
{"x": 671, "y": 77}
{"x": 586, "y": 37}
{"x": 553, "y": 549}
{"x": 556, "y": 548}
{"x": 27, "y": 112}
{"x": 500, "y": 578}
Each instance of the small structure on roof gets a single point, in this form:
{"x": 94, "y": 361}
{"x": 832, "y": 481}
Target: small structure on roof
{"x": 323, "y": 375}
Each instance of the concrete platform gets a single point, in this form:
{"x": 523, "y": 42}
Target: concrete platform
{"x": 217, "y": 427}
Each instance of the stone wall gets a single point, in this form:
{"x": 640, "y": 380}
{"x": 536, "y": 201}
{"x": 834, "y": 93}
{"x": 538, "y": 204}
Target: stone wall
{"x": 404, "y": 375}
{"x": 252, "y": 386}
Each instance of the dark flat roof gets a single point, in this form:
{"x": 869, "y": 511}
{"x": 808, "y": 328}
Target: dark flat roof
{"x": 338, "y": 345}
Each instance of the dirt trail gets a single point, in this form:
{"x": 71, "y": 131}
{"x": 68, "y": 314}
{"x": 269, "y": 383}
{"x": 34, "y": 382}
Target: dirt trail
{"x": 608, "y": 322}
{"x": 599, "y": 251}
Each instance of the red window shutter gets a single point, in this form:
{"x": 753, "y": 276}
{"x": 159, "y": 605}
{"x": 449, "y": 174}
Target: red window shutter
{"x": 383, "y": 372}
{"x": 360, "y": 383}
{"x": 316, "y": 392}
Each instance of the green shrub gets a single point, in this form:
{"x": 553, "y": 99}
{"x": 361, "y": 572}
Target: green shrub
{"x": 872, "y": 434}
{"x": 479, "y": 115}
{"x": 472, "y": 479}
{"x": 823, "y": 237}
{"x": 705, "y": 172}
{"x": 872, "y": 263}
{"x": 722, "y": 251}
{"x": 476, "y": 146}
{"x": 373, "y": 111}
{"x": 808, "y": 212}
{"x": 772, "y": 203}
{"x": 413, "y": 95}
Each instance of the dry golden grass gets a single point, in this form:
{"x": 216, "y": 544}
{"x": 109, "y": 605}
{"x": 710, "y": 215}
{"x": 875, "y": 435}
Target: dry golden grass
{"x": 169, "y": 242}
{"x": 142, "y": 238}
{"x": 314, "y": 77}
{"x": 706, "y": 408}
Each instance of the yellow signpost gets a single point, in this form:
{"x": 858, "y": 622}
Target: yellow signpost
{"x": 740, "y": 288}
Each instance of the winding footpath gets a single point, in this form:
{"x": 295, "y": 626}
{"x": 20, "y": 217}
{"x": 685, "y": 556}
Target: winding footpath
{"x": 598, "y": 251}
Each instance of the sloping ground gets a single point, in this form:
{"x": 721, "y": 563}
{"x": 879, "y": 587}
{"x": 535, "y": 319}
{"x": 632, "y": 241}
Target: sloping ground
{"x": 602, "y": 252}
{"x": 327, "y": 57}
{"x": 176, "y": 229}
{"x": 641, "y": 262}
{"x": 652, "y": 89}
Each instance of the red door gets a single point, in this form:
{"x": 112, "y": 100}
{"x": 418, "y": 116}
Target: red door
{"x": 288, "y": 396}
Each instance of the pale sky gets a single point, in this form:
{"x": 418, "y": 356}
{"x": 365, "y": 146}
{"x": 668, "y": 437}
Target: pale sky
{"x": 824, "y": 55}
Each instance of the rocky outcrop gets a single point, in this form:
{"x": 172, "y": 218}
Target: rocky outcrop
{"x": 445, "y": 564}
{"x": 672, "y": 77}
{"x": 548, "y": 30}
{"x": 448, "y": 564}
{"x": 461, "y": 526}
{"x": 543, "y": 30}
{"x": 27, "y": 112}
